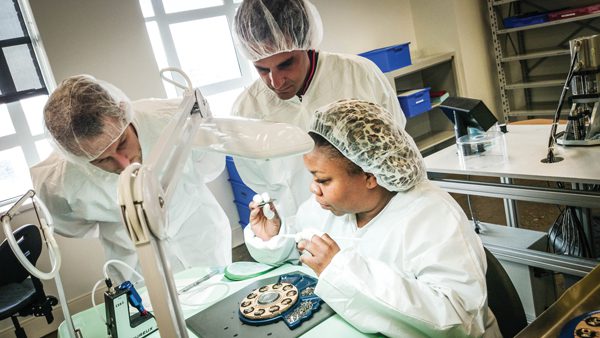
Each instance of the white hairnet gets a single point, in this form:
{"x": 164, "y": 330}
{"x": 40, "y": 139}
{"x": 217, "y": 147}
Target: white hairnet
{"x": 85, "y": 116}
{"x": 267, "y": 27}
{"x": 366, "y": 134}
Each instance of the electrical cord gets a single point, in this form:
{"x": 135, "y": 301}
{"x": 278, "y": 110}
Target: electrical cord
{"x": 473, "y": 217}
{"x": 566, "y": 236}
{"x": 107, "y": 279}
{"x": 188, "y": 294}
{"x": 94, "y": 302}
{"x": 550, "y": 156}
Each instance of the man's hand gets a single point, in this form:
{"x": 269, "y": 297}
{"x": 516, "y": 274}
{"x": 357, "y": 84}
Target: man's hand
{"x": 322, "y": 248}
{"x": 263, "y": 227}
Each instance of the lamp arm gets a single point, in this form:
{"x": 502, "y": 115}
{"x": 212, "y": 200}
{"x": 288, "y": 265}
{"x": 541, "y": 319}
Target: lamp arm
{"x": 552, "y": 138}
{"x": 174, "y": 144}
{"x": 144, "y": 191}
{"x": 47, "y": 231}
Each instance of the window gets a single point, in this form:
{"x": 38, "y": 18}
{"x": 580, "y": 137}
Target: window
{"x": 23, "y": 93}
{"x": 195, "y": 36}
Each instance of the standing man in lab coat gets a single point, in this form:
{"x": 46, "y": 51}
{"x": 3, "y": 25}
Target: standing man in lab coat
{"x": 280, "y": 37}
{"x": 98, "y": 132}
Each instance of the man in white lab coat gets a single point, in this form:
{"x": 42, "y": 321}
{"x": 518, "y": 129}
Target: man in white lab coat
{"x": 98, "y": 132}
{"x": 394, "y": 253}
{"x": 280, "y": 37}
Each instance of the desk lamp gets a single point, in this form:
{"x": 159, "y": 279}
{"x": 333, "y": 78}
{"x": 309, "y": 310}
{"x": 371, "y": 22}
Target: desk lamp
{"x": 468, "y": 116}
{"x": 145, "y": 189}
{"x": 583, "y": 78}
{"x": 583, "y": 124}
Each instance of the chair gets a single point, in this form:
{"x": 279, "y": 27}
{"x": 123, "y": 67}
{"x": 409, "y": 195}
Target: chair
{"x": 503, "y": 298}
{"x": 20, "y": 293}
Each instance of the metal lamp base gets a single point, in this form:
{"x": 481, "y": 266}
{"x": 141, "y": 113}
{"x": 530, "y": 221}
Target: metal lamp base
{"x": 564, "y": 142}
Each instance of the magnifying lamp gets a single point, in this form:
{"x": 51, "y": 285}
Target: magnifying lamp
{"x": 145, "y": 190}
{"x": 46, "y": 223}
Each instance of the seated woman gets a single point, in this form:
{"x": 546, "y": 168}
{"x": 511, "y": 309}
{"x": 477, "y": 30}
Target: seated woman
{"x": 397, "y": 254}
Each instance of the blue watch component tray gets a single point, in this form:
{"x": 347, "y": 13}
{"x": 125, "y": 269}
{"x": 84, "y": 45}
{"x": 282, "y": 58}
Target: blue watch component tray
{"x": 305, "y": 301}
{"x": 586, "y": 325}
{"x": 222, "y": 319}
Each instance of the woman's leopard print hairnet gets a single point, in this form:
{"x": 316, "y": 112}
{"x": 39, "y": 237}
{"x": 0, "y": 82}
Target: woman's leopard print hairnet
{"x": 365, "y": 133}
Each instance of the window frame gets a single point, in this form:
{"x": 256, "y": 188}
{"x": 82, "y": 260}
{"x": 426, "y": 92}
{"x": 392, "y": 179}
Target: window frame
{"x": 23, "y": 137}
{"x": 164, "y": 20}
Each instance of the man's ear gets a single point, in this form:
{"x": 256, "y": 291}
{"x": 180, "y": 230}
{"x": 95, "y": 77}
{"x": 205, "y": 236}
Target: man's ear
{"x": 371, "y": 181}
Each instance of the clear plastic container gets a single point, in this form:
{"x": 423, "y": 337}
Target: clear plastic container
{"x": 482, "y": 150}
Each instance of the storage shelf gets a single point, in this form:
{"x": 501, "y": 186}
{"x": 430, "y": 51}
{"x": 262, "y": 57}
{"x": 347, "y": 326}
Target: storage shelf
{"x": 537, "y": 55}
{"x": 536, "y": 84}
{"x": 420, "y": 64}
{"x": 542, "y": 112}
{"x": 502, "y": 2}
{"x": 539, "y": 109}
{"x": 549, "y": 23}
{"x": 430, "y": 130}
{"x": 519, "y": 57}
{"x": 431, "y": 139}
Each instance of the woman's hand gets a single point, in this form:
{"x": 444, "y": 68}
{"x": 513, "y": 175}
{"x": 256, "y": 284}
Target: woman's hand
{"x": 263, "y": 227}
{"x": 322, "y": 248}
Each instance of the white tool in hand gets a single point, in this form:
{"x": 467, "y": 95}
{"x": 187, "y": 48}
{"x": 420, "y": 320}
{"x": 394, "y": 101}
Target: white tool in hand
{"x": 263, "y": 201}
{"x": 307, "y": 234}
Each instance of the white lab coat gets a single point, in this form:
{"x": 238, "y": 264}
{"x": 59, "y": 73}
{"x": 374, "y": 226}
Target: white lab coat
{"x": 417, "y": 271}
{"x": 337, "y": 76}
{"x": 83, "y": 201}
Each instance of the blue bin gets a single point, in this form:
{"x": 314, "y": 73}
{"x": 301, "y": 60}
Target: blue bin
{"x": 241, "y": 192}
{"x": 233, "y": 173}
{"x": 390, "y": 58}
{"x": 243, "y": 213}
{"x": 526, "y": 20}
{"x": 415, "y": 102}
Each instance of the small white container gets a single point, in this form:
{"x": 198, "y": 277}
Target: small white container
{"x": 482, "y": 150}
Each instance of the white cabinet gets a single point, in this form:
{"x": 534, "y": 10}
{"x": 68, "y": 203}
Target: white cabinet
{"x": 431, "y": 130}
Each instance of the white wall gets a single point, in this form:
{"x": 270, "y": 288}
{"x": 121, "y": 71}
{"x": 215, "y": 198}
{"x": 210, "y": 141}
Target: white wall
{"x": 105, "y": 38}
{"x": 461, "y": 26}
{"x": 355, "y": 26}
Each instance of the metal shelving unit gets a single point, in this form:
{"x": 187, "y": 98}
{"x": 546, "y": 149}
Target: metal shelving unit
{"x": 522, "y": 53}
{"x": 431, "y": 130}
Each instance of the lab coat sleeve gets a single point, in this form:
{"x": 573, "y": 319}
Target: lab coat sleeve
{"x": 277, "y": 250}
{"x": 47, "y": 178}
{"x": 208, "y": 166}
{"x": 440, "y": 292}
{"x": 65, "y": 222}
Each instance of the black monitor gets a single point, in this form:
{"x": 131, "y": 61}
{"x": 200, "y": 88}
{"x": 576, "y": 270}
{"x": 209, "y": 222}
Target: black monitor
{"x": 467, "y": 113}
